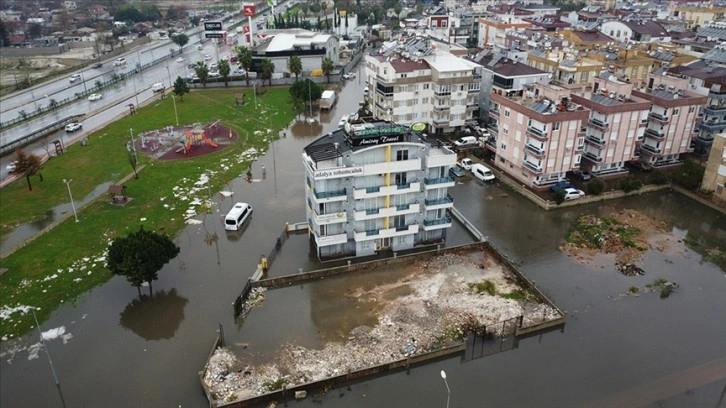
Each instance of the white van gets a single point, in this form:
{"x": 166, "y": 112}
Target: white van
{"x": 157, "y": 87}
{"x": 237, "y": 216}
{"x": 465, "y": 141}
{"x": 483, "y": 173}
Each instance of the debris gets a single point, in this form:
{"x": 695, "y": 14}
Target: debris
{"x": 300, "y": 394}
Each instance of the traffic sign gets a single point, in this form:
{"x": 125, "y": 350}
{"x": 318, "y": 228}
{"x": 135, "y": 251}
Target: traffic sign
{"x": 212, "y": 26}
{"x": 213, "y": 35}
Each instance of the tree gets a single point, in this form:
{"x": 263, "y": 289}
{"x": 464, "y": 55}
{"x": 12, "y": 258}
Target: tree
{"x": 140, "y": 256}
{"x": 4, "y": 37}
{"x": 202, "y": 72}
{"x": 327, "y": 67}
{"x": 304, "y": 92}
{"x": 245, "y": 61}
{"x": 180, "y": 88}
{"x": 294, "y": 65}
{"x": 180, "y": 39}
{"x": 28, "y": 165}
{"x": 129, "y": 13}
{"x": 268, "y": 68}
{"x": 224, "y": 71}
{"x": 176, "y": 12}
{"x": 34, "y": 30}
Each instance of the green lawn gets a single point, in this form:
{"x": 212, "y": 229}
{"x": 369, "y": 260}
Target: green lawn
{"x": 69, "y": 260}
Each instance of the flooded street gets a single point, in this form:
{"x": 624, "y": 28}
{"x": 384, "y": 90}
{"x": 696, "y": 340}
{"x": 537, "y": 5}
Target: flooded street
{"x": 125, "y": 351}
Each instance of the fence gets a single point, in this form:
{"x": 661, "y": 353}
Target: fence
{"x": 40, "y": 133}
{"x": 218, "y": 342}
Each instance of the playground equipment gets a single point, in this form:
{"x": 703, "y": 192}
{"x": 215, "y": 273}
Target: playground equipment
{"x": 194, "y": 137}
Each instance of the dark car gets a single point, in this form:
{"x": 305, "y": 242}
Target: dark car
{"x": 582, "y": 175}
{"x": 561, "y": 185}
{"x": 457, "y": 171}
{"x": 96, "y": 65}
{"x": 639, "y": 165}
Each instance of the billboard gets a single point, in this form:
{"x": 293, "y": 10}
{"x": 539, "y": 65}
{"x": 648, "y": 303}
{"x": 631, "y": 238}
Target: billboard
{"x": 248, "y": 9}
{"x": 212, "y": 26}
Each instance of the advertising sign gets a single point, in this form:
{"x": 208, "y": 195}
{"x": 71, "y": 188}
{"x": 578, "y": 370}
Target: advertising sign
{"x": 214, "y": 35}
{"x": 248, "y": 10}
{"x": 212, "y": 26}
{"x": 330, "y": 218}
{"x": 337, "y": 173}
{"x": 377, "y": 140}
{"x": 418, "y": 127}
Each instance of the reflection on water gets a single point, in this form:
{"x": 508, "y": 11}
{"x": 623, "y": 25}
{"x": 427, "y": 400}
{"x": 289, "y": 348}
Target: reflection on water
{"x": 303, "y": 129}
{"x": 156, "y": 316}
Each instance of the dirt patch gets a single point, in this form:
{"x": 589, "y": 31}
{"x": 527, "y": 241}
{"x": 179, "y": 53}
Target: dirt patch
{"x": 432, "y": 304}
{"x": 627, "y": 234}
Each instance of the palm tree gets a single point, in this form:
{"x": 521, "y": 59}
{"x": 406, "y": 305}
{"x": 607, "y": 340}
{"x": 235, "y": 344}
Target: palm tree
{"x": 327, "y": 67}
{"x": 224, "y": 71}
{"x": 202, "y": 72}
{"x": 245, "y": 61}
{"x": 268, "y": 68}
{"x": 294, "y": 65}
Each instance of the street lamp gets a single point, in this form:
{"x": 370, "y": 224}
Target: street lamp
{"x": 73, "y": 204}
{"x": 135, "y": 159}
{"x": 448, "y": 390}
{"x": 173, "y": 98}
{"x": 168, "y": 73}
{"x": 42, "y": 341}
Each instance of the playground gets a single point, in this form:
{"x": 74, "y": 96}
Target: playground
{"x": 176, "y": 143}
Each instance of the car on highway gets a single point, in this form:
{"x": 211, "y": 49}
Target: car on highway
{"x": 95, "y": 97}
{"x": 12, "y": 167}
{"x": 213, "y": 74}
{"x": 180, "y": 60}
{"x": 73, "y": 127}
{"x": 75, "y": 77}
{"x": 456, "y": 171}
{"x": 200, "y": 46}
{"x": 573, "y": 193}
{"x": 97, "y": 65}
{"x": 213, "y": 66}
{"x": 349, "y": 75}
{"x": 207, "y": 57}
{"x": 119, "y": 61}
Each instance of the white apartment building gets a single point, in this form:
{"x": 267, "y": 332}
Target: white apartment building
{"x": 375, "y": 187}
{"x": 439, "y": 89}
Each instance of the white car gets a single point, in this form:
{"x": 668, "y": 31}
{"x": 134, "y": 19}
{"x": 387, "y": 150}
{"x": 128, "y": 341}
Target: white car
{"x": 573, "y": 193}
{"x": 72, "y": 127}
{"x": 95, "y": 97}
{"x": 207, "y": 57}
{"x": 349, "y": 75}
{"x": 213, "y": 74}
{"x": 120, "y": 61}
{"x": 180, "y": 59}
{"x": 12, "y": 167}
{"x": 213, "y": 66}
{"x": 465, "y": 164}
{"x": 74, "y": 78}
{"x": 343, "y": 121}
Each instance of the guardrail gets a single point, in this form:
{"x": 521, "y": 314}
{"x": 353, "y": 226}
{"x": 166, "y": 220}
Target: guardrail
{"x": 25, "y": 140}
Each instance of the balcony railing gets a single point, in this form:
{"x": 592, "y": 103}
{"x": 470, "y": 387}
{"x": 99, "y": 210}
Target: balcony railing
{"x": 532, "y": 167}
{"x": 538, "y": 134}
{"x": 592, "y": 157}
{"x": 441, "y": 180}
{"x": 650, "y": 148}
{"x": 444, "y": 220}
{"x": 713, "y": 125}
{"x": 596, "y": 140}
{"x": 654, "y": 134}
{"x": 329, "y": 194}
{"x": 441, "y": 107}
{"x": 714, "y": 109}
{"x": 438, "y": 201}
{"x": 535, "y": 150}
{"x": 598, "y": 124}
{"x": 494, "y": 114}
{"x": 658, "y": 117}
{"x": 441, "y": 121}
{"x": 491, "y": 144}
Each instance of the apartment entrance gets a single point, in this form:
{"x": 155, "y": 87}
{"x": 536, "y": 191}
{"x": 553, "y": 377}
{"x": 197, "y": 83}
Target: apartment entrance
{"x": 383, "y": 243}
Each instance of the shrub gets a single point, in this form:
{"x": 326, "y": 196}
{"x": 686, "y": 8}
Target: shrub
{"x": 659, "y": 178}
{"x": 559, "y": 196}
{"x": 689, "y": 175}
{"x": 595, "y": 187}
{"x": 630, "y": 184}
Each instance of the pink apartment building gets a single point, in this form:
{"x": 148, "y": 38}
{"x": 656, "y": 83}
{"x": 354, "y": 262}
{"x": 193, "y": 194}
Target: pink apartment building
{"x": 539, "y": 136}
{"x": 672, "y": 120}
{"x": 615, "y": 125}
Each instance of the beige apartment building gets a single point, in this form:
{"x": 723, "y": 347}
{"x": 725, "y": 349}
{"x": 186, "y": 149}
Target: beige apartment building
{"x": 539, "y": 136}
{"x": 714, "y": 178}
{"x": 671, "y": 121}
{"x": 571, "y": 71}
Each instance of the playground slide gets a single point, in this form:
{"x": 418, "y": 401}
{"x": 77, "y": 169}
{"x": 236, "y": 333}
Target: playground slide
{"x": 208, "y": 140}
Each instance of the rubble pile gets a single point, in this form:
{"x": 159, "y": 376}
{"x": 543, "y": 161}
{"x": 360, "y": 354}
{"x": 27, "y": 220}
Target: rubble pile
{"x": 433, "y": 306}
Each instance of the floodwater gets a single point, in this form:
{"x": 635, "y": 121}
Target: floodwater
{"x": 126, "y": 351}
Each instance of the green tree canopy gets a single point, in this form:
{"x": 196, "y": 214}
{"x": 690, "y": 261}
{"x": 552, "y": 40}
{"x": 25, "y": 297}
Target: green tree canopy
{"x": 224, "y": 71}
{"x": 305, "y": 91}
{"x": 268, "y": 68}
{"x": 180, "y": 88}
{"x": 327, "y": 67}
{"x": 202, "y": 72}
{"x": 245, "y": 61}
{"x": 28, "y": 165}
{"x": 140, "y": 255}
{"x": 294, "y": 65}
{"x": 180, "y": 39}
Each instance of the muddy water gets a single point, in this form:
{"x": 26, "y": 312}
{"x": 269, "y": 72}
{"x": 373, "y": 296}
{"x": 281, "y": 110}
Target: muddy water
{"x": 123, "y": 353}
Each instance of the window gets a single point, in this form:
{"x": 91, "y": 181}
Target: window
{"x": 506, "y": 113}
{"x": 402, "y": 155}
{"x": 404, "y": 75}
{"x": 403, "y": 88}
{"x": 634, "y": 72}
{"x": 556, "y": 126}
{"x": 365, "y": 244}
{"x": 676, "y": 111}
{"x": 584, "y": 76}
{"x": 426, "y": 86}
{"x": 425, "y": 100}
{"x": 503, "y": 146}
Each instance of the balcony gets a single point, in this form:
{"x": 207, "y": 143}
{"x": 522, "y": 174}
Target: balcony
{"x": 538, "y": 134}
{"x": 655, "y": 134}
{"x": 380, "y": 191}
{"x": 713, "y": 125}
{"x": 598, "y": 142}
{"x": 329, "y": 196}
{"x": 373, "y": 213}
{"x": 491, "y": 144}
{"x": 650, "y": 148}
{"x": 597, "y": 123}
{"x": 441, "y": 182}
{"x": 658, "y": 117}
{"x": 442, "y": 93}
{"x": 441, "y": 122}
{"x": 441, "y": 107}
{"x": 437, "y": 203}
{"x": 534, "y": 150}
{"x": 385, "y": 232}
{"x": 493, "y": 129}
{"x": 444, "y": 222}
{"x": 713, "y": 109}
{"x": 325, "y": 240}
{"x": 474, "y": 90}
{"x": 532, "y": 167}
{"x": 494, "y": 114}
{"x": 592, "y": 157}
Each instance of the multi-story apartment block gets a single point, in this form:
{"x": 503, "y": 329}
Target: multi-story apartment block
{"x": 672, "y": 121}
{"x": 630, "y": 65}
{"x": 537, "y": 137}
{"x": 570, "y": 70}
{"x": 492, "y": 31}
{"x": 714, "y": 118}
{"x": 439, "y": 89}
{"x": 614, "y": 127}
{"x": 373, "y": 187}
{"x": 714, "y": 177}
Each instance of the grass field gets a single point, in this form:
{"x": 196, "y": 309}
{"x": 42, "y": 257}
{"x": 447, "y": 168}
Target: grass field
{"x": 69, "y": 260}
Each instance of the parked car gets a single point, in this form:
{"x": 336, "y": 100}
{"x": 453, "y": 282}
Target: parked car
{"x": 207, "y": 57}
{"x": 465, "y": 163}
{"x": 560, "y": 185}
{"x": 120, "y": 61}
{"x": 96, "y": 65}
{"x": 157, "y": 87}
{"x": 213, "y": 66}
{"x": 639, "y": 165}
{"x": 466, "y": 141}
{"x": 483, "y": 173}
{"x": 95, "y": 97}
{"x": 73, "y": 127}
{"x": 582, "y": 175}
{"x": 349, "y": 75}
{"x": 213, "y": 74}
{"x": 343, "y": 121}
{"x": 456, "y": 171}
{"x": 573, "y": 193}
{"x": 74, "y": 78}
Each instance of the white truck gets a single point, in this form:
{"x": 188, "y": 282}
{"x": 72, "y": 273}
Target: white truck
{"x": 327, "y": 100}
